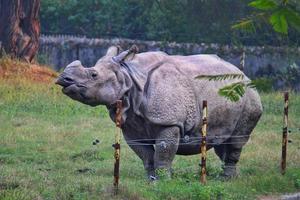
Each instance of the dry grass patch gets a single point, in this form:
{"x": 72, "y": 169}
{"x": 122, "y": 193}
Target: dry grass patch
{"x": 15, "y": 70}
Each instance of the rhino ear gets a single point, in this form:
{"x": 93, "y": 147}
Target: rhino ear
{"x": 113, "y": 51}
{"x": 126, "y": 55}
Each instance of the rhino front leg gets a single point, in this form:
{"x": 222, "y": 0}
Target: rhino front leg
{"x": 166, "y": 146}
{"x": 220, "y": 150}
{"x": 146, "y": 154}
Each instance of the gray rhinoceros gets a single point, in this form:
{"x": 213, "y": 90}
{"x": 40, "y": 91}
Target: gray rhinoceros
{"x": 162, "y": 104}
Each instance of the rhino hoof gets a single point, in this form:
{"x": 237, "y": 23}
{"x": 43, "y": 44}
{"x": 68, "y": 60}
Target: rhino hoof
{"x": 229, "y": 172}
{"x": 152, "y": 178}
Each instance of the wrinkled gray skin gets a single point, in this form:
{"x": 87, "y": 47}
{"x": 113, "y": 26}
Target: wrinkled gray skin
{"x": 162, "y": 102}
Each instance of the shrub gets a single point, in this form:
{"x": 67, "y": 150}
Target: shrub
{"x": 264, "y": 84}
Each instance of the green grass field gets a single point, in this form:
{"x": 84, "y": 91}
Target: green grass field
{"x": 46, "y": 152}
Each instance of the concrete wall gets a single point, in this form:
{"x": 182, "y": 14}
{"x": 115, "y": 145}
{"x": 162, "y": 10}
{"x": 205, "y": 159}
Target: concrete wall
{"x": 58, "y": 51}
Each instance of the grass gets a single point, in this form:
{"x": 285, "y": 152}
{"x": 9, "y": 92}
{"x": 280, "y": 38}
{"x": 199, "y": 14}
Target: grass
{"x": 46, "y": 152}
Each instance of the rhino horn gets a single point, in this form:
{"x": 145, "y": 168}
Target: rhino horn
{"x": 75, "y": 63}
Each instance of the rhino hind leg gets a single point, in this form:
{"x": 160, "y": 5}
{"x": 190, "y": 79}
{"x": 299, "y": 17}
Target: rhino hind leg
{"x": 166, "y": 147}
{"x": 231, "y": 150}
{"x": 229, "y": 156}
{"x": 231, "y": 159}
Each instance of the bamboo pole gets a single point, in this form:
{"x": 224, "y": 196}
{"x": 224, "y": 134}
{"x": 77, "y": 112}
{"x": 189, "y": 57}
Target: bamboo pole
{"x": 285, "y": 133}
{"x": 203, "y": 143}
{"x": 117, "y": 146}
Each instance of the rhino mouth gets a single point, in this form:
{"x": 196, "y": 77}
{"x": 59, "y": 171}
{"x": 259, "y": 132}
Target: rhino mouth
{"x": 75, "y": 90}
{"x": 70, "y": 87}
{"x": 78, "y": 92}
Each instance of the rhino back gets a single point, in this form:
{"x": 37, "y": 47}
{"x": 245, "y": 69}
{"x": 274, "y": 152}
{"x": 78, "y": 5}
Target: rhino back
{"x": 203, "y": 65}
{"x": 192, "y": 65}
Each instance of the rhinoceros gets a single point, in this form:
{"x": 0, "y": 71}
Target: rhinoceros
{"x": 163, "y": 104}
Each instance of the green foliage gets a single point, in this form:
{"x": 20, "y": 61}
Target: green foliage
{"x": 279, "y": 14}
{"x": 263, "y": 4}
{"x": 287, "y": 77}
{"x": 296, "y": 177}
{"x": 297, "y": 183}
{"x": 234, "y": 91}
{"x": 191, "y": 190}
{"x": 221, "y": 77}
{"x": 278, "y": 21}
{"x": 263, "y": 84}
{"x": 167, "y": 20}
{"x": 246, "y": 25}
{"x": 163, "y": 174}
{"x": 293, "y": 18}
{"x": 290, "y": 76}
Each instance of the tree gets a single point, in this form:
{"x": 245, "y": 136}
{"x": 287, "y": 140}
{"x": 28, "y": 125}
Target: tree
{"x": 20, "y": 27}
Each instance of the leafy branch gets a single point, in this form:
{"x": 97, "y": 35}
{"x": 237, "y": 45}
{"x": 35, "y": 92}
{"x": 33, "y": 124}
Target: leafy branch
{"x": 279, "y": 14}
{"x": 234, "y": 91}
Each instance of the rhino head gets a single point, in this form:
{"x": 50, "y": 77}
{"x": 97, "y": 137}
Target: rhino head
{"x": 103, "y": 84}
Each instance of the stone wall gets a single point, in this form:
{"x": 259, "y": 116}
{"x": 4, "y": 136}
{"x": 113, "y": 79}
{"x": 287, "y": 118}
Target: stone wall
{"x": 58, "y": 51}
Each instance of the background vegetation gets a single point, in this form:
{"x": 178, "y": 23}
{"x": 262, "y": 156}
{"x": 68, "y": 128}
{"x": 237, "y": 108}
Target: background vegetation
{"x": 165, "y": 20}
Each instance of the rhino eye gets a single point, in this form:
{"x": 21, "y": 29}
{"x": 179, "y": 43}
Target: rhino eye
{"x": 94, "y": 74}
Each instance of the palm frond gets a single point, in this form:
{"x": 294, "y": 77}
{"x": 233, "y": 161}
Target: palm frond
{"x": 220, "y": 77}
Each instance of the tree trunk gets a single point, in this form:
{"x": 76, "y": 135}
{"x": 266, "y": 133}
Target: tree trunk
{"x": 20, "y": 27}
